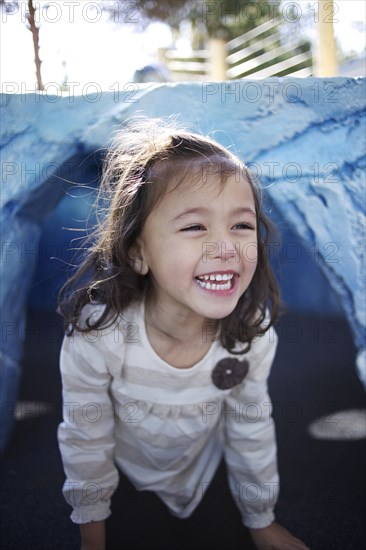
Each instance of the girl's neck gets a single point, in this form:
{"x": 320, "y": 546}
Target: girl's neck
{"x": 181, "y": 327}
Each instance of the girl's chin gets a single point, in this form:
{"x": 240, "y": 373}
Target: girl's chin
{"x": 217, "y": 313}
{"x": 219, "y": 316}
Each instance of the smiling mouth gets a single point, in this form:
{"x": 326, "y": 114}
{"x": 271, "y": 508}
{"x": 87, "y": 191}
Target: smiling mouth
{"x": 216, "y": 281}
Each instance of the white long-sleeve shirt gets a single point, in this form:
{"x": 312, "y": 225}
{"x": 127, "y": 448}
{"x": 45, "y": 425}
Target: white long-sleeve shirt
{"x": 165, "y": 428}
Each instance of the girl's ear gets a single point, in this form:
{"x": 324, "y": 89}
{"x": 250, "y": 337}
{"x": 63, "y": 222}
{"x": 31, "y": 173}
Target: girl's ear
{"x": 140, "y": 266}
{"x": 137, "y": 261}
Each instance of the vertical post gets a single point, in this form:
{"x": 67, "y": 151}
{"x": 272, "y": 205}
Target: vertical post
{"x": 35, "y": 35}
{"x": 217, "y": 47}
{"x": 326, "y": 54}
{"x": 161, "y": 55}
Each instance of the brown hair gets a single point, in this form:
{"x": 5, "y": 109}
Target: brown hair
{"x": 144, "y": 157}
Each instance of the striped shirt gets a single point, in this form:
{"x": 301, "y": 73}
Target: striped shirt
{"x": 166, "y": 428}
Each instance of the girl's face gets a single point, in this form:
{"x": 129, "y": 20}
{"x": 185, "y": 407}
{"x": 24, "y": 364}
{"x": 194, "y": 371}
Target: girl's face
{"x": 200, "y": 247}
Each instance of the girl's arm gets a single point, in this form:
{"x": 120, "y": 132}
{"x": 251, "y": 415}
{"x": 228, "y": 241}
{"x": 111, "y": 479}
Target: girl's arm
{"x": 93, "y": 535}
{"x": 251, "y": 451}
{"x": 250, "y": 441}
{"x": 86, "y": 436}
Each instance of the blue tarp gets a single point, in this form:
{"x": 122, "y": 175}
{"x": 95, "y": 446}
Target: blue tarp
{"x": 305, "y": 138}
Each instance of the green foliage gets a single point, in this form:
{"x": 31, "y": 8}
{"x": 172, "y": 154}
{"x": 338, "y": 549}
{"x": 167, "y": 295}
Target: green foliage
{"x": 225, "y": 19}
{"x": 9, "y": 5}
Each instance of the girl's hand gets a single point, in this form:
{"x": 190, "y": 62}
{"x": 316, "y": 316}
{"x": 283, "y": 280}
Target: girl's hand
{"x": 275, "y": 537}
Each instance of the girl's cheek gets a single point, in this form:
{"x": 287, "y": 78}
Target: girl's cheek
{"x": 249, "y": 252}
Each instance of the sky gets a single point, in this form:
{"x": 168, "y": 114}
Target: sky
{"x": 81, "y": 44}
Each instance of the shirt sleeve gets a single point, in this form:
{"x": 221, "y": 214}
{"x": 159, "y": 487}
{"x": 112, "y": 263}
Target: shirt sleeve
{"x": 250, "y": 441}
{"x": 86, "y": 435}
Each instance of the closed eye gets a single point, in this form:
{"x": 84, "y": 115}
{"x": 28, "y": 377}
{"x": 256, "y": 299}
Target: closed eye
{"x": 194, "y": 228}
{"x": 244, "y": 226}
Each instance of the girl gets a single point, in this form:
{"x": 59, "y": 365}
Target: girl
{"x": 168, "y": 343}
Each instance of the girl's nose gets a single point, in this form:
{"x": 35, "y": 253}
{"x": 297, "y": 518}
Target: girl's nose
{"x": 227, "y": 249}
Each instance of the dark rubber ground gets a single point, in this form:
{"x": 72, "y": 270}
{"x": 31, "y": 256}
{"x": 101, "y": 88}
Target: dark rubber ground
{"x": 322, "y": 498}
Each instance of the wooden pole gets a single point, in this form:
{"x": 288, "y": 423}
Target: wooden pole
{"x": 161, "y": 56}
{"x": 35, "y": 35}
{"x": 326, "y": 55}
{"x": 217, "y": 47}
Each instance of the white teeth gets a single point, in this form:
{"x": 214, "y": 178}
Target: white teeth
{"x": 216, "y": 277}
{"x": 213, "y": 286}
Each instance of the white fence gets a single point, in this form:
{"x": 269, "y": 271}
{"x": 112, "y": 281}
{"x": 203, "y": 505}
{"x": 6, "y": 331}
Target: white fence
{"x": 260, "y": 53}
